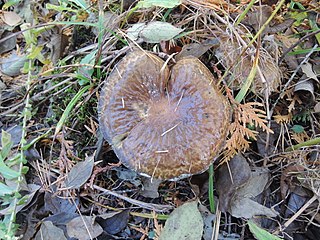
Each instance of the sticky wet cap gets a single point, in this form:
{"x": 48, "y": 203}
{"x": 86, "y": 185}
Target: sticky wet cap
{"x": 161, "y": 124}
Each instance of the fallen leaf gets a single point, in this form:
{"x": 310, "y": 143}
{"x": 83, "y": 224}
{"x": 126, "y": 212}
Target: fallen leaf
{"x": 114, "y": 223}
{"x": 208, "y": 222}
{"x": 307, "y": 69}
{"x": 74, "y": 178}
{"x": 62, "y": 218}
{"x": 317, "y": 108}
{"x": 185, "y": 222}
{"x": 305, "y": 86}
{"x": 11, "y": 65}
{"x": 8, "y": 44}
{"x": 197, "y": 49}
{"x": 10, "y": 18}
{"x": 83, "y": 228}
{"x": 226, "y": 187}
{"x": 259, "y": 16}
{"x": 134, "y": 31}
{"x": 25, "y": 200}
{"x": 56, "y": 204}
{"x": 153, "y": 32}
{"x": 237, "y": 194}
{"x": 244, "y": 207}
{"x": 150, "y": 188}
{"x": 50, "y": 232}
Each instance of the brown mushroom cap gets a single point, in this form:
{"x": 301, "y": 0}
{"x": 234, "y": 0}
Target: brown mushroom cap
{"x": 165, "y": 126}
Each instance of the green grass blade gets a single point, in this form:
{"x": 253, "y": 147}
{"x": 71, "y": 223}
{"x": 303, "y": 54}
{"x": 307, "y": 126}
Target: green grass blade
{"x": 68, "y": 109}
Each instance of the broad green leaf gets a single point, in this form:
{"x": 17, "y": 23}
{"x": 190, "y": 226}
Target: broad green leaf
{"x": 81, "y": 3}
{"x": 4, "y": 189}
{"x": 259, "y": 233}
{"x": 297, "y": 128}
{"x": 7, "y": 172}
{"x": 35, "y": 52}
{"x": 86, "y": 72}
{"x": 184, "y": 223}
{"x": 10, "y": 3}
{"x": 158, "y": 3}
{"x": 6, "y": 144}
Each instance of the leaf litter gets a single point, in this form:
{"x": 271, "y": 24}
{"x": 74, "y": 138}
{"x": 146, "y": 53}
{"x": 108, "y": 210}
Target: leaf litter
{"x": 267, "y": 178}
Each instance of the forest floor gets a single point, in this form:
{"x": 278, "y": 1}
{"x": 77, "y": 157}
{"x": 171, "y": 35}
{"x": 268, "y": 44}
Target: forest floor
{"x": 60, "y": 180}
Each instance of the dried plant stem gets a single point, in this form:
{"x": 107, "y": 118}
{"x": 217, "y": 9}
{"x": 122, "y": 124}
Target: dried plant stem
{"x": 150, "y": 206}
{"x": 301, "y": 210}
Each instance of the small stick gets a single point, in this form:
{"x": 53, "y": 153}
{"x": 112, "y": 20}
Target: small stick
{"x": 150, "y": 206}
{"x": 301, "y": 210}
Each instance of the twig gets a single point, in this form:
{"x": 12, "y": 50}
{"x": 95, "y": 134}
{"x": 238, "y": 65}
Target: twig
{"x": 301, "y": 210}
{"x": 150, "y": 206}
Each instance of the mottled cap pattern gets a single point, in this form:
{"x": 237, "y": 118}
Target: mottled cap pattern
{"x": 163, "y": 123}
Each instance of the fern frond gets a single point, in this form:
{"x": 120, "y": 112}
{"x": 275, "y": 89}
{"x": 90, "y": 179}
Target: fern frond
{"x": 239, "y": 134}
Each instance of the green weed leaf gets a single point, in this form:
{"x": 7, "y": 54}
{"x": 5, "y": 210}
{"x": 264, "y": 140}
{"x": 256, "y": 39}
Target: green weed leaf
{"x": 7, "y": 172}
{"x": 184, "y": 223}
{"x": 6, "y": 144}
{"x": 4, "y": 189}
{"x": 260, "y": 233}
{"x": 68, "y": 109}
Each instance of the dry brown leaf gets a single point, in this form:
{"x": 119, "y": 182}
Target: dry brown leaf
{"x": 10, "y": 18}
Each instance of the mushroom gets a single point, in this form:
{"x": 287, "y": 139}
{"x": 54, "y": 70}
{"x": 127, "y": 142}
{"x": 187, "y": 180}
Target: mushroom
{"x": 163, "y": 124}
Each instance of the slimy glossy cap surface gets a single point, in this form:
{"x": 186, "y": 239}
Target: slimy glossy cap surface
{"x": 161, "y": 123}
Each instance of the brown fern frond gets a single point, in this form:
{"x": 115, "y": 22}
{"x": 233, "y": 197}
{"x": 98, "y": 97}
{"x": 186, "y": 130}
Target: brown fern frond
{"x": 254, "y": 116}
{"x": 283, "y": 118}
{"x": 239, "y": 134}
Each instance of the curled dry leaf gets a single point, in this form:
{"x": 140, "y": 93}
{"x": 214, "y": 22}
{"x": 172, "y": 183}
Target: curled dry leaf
{"x": 153, "y": 32}
{"x": 305, "y": 88}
